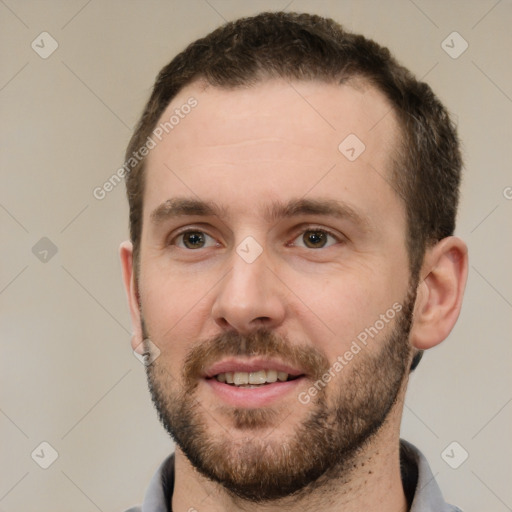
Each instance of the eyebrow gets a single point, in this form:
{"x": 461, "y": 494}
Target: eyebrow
{"x": 321, "y": 207}
{"x": 183, "y": 207}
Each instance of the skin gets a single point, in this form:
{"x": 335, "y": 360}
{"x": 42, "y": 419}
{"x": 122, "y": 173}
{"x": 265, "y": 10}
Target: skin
{"x": 245, "y": 151}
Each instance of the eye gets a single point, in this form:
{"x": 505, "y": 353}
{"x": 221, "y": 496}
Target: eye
{"x": 194, "y": 240}
{"x": 314, "y": 239}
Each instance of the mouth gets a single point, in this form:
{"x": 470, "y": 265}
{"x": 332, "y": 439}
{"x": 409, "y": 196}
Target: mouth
{"x": 252, "y": 383}
{"x": 256, "y": 379}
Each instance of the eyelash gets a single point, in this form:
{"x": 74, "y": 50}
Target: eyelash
{"x": 303, "y": 230}
{"x": 315, "y": 229}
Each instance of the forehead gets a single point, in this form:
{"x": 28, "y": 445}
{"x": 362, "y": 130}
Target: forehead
{"x": 274, "y": 140}
{"x": 305, "y": 111}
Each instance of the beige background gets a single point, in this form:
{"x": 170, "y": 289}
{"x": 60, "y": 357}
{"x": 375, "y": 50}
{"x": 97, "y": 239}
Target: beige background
{"x": 68, "y": 376}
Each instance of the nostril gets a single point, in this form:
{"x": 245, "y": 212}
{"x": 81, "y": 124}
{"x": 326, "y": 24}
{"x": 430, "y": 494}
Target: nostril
{"x": 223, "y": 323}
{"x": 263, "y": 319}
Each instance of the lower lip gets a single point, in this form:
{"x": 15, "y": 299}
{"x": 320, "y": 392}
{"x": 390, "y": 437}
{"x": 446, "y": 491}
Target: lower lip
{"x": 251, "y": 398}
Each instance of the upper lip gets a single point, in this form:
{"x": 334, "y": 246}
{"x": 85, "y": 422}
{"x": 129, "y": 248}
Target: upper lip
{"x": 253, "y": 364}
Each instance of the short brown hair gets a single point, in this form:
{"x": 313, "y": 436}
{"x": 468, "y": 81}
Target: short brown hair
{"x": 309, "y": 47}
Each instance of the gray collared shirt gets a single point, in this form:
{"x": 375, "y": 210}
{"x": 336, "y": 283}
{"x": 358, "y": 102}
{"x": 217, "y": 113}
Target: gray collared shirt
{"x": 427, "y": 495}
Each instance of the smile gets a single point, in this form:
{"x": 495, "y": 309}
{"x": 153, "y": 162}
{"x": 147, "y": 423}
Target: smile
{"x": 252, "y": 382}
{"x": 253, "y": 379}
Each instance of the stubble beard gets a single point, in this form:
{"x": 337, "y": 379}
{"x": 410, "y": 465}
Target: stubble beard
{"x": 323, "y": 447}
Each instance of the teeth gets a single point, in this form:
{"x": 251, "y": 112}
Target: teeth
{"x": 258, "y": 377}
{"x": 252, "y": 379}
{"x": 271, "y": 375}
{"x": 240, "y": 378}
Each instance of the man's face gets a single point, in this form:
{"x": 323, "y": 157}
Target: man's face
{"x": 267, "y": 254}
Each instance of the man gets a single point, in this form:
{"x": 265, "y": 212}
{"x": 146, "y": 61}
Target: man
{"x": 293, "y": 193}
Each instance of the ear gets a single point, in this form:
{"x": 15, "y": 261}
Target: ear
{"x": 130, "y": 285}
{"x": 440, "y": 290}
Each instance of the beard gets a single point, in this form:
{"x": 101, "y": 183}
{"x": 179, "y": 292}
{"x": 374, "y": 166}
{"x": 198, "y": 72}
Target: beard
{"x": 341, "y": 419}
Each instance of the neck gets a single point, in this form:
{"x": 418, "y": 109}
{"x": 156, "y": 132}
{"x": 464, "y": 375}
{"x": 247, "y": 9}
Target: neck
{"x": 373, "y": 483}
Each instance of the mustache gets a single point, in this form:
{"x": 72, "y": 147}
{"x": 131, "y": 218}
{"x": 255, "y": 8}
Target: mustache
{"x": 260, "y": 343}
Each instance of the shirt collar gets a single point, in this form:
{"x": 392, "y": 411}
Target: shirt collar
{"x": 427, "y": 495}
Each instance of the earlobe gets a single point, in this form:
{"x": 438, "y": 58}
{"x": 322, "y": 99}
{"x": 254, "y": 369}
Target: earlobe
{"x": 440, "y": 292}
{"x": 130, "y": 285}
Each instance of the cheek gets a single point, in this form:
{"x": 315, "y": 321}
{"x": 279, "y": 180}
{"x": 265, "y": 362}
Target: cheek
{"x": 175, "y": 309}
{"x": 332, "y": 312}
{"x": 336, "y": 308}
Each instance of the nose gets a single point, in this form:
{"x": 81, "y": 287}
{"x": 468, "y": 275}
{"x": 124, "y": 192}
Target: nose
{"x": 249, "y": 297}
